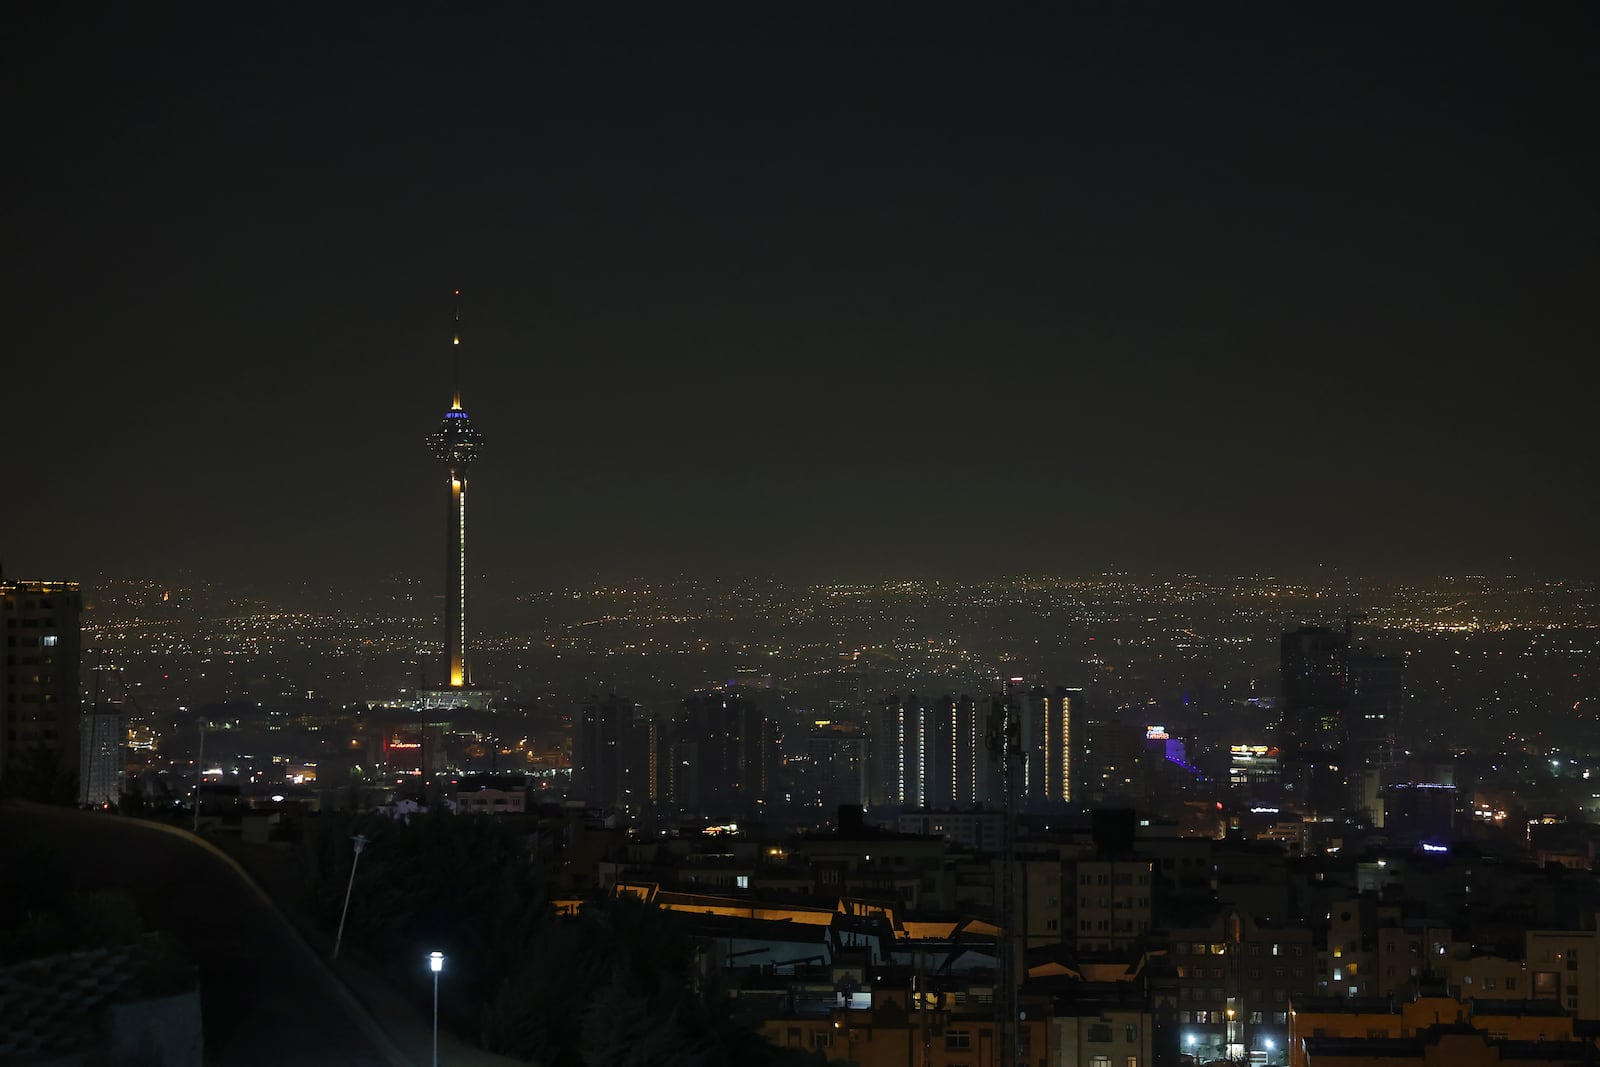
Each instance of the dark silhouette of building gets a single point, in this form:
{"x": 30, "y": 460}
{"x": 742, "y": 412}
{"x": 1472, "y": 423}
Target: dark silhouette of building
{"x": 1313, "y": 702}
{"x": 615, "y": 765}
{"x": 39, "y": 687}
{"x": 1376, "y": 704}
{"x": 1422, "y": 811}
{"x": 722, "y": 754}
{"x": 837, "y": 766}
{"x": 1109, "y": 760}
{"x": 1340, "y": 714}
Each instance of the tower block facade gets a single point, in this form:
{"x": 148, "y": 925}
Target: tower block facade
{"x": 455, "y": 445}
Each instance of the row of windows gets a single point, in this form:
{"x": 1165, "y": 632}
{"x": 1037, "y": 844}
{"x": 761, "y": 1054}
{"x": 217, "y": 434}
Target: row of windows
{"x": 35, "y": 603}
{"x": 1101, "y": 1033}
{"x": 1254, "y": 995}
{"x": 1123, "y": 926}
{"x": 1255, "y": 1018}
{"x": 958, "y": 1040}
{"x": 1220, "y": 948}
{"x": 1252, "y": 973}
{"x": 1109, "y": 902}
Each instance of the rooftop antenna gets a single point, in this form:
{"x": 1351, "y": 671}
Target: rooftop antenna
{"x": 455, "y": 346}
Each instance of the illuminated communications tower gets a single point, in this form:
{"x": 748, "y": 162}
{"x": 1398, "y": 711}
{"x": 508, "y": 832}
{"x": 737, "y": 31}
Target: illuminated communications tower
{"x": 455, "y": 444}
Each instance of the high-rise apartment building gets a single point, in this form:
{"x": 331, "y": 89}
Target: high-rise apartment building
{"x": 1376, "y": 703}
{"x": 1051, "y": 738}
{"x": 956, "y": 765}
{"x": 1314, "y": 700}
{"x": 1315, "y": 692}
{"x": 929, "y": 754}
{"x": 934, "y": 754}
{"x": 39, "y": 695}
{"x": 100, "y": 761}
{"x": 1340, "y": 717}
{"x": 616, "y": 758}
{"x": 897, "y": 750}
{"x": 721, "y": 755}
{"x": 836, "y": 758}
{"x": 1108, "y": 758}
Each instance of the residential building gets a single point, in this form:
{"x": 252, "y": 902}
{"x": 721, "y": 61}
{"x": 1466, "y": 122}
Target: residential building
{"x": 1316, "y": 1019}
{"x": 39, "y": 689}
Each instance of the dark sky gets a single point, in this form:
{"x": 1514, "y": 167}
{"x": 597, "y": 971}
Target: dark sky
{"x": 802, "y": 289}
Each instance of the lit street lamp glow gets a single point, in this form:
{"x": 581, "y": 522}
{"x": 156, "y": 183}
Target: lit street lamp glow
{"x": 436, "y": 964}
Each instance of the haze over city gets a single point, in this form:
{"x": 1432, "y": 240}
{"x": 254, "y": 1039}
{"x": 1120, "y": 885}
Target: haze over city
{"x": 831, "y": 295}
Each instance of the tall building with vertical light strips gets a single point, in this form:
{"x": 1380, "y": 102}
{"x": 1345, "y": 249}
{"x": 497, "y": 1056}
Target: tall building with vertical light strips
{"x": 929, "y": 754}
{"x": 1054, "y": 716}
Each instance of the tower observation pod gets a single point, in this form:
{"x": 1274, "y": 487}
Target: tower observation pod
{"x": 455, "y": 444}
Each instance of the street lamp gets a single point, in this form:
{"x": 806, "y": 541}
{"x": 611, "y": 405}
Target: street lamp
{"x": 436, "y": 964}
{"x": 361, "y": 843}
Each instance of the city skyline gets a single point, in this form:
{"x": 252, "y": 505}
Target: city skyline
{"x": 1050, "y": 292}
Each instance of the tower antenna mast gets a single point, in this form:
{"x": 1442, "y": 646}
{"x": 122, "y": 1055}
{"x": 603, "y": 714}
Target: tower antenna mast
{"x": 455, "y": 347}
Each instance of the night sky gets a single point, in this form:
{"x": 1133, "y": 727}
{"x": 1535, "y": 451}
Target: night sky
{"x": 807, "y": 290}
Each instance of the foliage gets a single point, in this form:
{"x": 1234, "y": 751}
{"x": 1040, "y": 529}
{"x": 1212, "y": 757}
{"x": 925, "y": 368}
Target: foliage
{"x": 619, "y": 985}
{"x": 94, "y": 919}
{"x": 38, "y": 773}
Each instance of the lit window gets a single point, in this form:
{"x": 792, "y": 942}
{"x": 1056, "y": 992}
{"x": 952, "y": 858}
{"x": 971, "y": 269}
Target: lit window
{"x": 49, "y": 640}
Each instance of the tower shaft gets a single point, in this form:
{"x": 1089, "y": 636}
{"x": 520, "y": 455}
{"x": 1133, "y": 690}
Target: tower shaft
{"x": 456, "y": 600}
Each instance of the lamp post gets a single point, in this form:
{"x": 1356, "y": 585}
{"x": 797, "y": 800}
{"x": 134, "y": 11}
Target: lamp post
{"x": 436, "y": 964}
{"x": 361, "y": 843}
